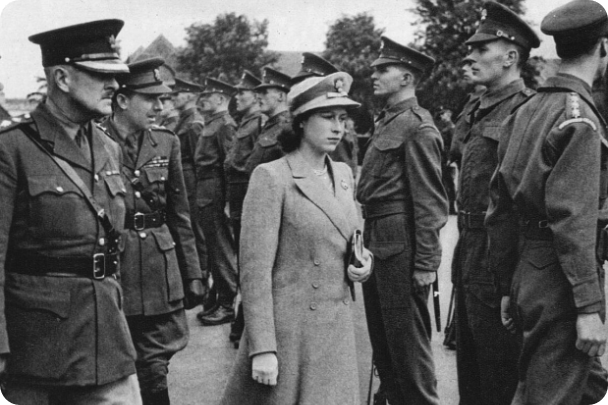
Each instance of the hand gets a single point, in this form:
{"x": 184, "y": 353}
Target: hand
{"x": 361, "y": 274}
{"x": 424, "y": 278}
{"x": 194, "y": 294}
{"x": 505, "y": 314}
{"x": 265, "y": 368}
{"x": 591, "y": 334}
{"x": 3, "y": 360}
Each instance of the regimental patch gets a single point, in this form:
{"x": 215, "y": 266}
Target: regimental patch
{"x": 573, "y": 112}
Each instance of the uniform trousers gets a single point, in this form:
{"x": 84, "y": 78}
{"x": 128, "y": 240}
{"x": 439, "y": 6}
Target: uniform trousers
{"x": 236, "y": 196}
{"x": 156, "y": 339}
{"x": 124, "y": 391}
{"x": 551, "y": 369}
{"x": 199, "y": 235}
{"x": 398, "y": 318}
{"x": 211, "y": 202}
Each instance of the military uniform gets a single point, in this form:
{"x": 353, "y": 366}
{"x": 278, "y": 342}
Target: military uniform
{"x": 171, "y": 120}
{"x": 211, "y": 151}
{"x": 404, "y": 206}
{"x": 267, "y": 147}
{"x": 486, "y": 352}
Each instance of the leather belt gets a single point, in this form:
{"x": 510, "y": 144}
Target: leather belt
{"x": 471, "y": 220}
{"x": 139, "y": 221}
{"x": 97, "y": 267}
{"x": 382, "y": 209}
{"x": 537, "y": 229}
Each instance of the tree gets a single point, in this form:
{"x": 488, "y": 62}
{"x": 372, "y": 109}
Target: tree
{"x": 230, "y": 45}
{"x": 444, "y": 27}
{"x": 352, "y": 44}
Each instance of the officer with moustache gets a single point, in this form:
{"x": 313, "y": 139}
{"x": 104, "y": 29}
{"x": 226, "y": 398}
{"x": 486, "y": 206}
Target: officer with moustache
{"x": 210, "y": 155}
{"x": 404, "y": 206}
{"x": 64, "y": 338}
{"x": 160, "y": 273}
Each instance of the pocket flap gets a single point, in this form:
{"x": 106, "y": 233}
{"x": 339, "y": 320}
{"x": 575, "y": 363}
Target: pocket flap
{"x": 267, "y": 141}
{"x": 115, "y": 185}
{"x": 31, "y": 295}
{"x": 541, "y": 257}
{"x": 384, "y": 251}
{"x": 164, "y": 240}
{"x": 51, "y": 184}
{"x": 492, "y": 131}
{"x": 156, "y": 174}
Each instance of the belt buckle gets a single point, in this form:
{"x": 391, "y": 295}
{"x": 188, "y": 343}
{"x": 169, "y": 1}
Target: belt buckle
{"x": 99, "y": 266}
{"x": 139, "y": 216}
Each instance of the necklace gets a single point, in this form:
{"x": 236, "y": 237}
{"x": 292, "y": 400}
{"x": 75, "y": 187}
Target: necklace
{"x": 321, "y": 172}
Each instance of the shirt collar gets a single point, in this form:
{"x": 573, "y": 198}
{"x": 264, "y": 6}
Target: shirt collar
{"x": 489, "y": 99}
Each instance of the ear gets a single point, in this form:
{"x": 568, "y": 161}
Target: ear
{"x": 62, "y": 78}
{"x": 603, "y": 52}
{"x": 511, "y": 58}
{"x": 122, "y": 101}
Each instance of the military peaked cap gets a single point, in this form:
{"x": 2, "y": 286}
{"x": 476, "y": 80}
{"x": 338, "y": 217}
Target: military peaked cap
{"x": 575, "y": 21}
{"x": 321, "y": 92}
{"x": 248, "y": 81}
{"x": 393, "y": 53}
{"x": 90, "y": 46}
{"x": 144, "y": 77}
{"x": 313, "y": 65}
{"x": 499, "y": 22}
{"x": 218, "y": 86}
{"x": 274, "y": 79}
{"x": 182, "y": 86}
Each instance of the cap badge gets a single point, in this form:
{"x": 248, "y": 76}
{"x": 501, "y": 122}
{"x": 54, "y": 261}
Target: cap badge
{"x": 112, "y": 43}
{"x": 339, "y": 86}
{"x": 484, "y": 14}
{"x": 156, "y": 75}
{"x": 344, "y": 185}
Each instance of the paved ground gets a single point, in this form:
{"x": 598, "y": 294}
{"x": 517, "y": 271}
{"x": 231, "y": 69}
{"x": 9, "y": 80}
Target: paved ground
{"x": 199, "y": 373}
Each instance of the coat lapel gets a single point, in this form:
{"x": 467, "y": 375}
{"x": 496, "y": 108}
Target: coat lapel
{"x": 98, "y": 147}
{"x": 148, "y": 149}
{"x": 316, "y": 192}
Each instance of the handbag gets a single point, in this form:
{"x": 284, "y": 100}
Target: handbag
{"x": 355, "y": 257}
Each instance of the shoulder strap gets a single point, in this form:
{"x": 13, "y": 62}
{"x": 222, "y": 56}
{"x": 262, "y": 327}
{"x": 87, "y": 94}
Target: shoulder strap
{"x": 75, "y": 178}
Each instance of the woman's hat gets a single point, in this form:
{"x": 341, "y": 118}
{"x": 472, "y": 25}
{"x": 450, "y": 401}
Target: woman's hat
{"x": 321, "y": 92}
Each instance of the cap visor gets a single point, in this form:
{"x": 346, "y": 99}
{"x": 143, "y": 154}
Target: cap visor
{"x": 270, "y": 86}
{"x": 481, "y": 37}
{"x": 158, "y": 89}
{"x": 386, "y": 61}
{"x": 113, "y": 66}
{"x": 320, "y": 102}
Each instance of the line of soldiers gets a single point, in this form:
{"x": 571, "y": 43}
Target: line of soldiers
{"x": 111, "y": 224}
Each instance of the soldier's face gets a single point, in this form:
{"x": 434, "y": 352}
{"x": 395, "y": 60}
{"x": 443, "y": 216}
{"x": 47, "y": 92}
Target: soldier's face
{"x": 387, "y": 80}
{"x": 92, "y": 92}
{"x": 210, "y": 103}
{"x": 180, "y": 99}
{"x": 269, "y": 100}
{"x": 245, "y": 100}
{"x": 487, "y": 62}
{"x": 141, "y": 110}
{"x": 324, "y": 129}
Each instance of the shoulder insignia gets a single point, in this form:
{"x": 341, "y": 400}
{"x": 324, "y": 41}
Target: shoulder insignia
{"x": 428, "y": 125}
{"x": 7, "y": 125}
{"x": 577, "y": 120}
{"x": 573, "y": 112}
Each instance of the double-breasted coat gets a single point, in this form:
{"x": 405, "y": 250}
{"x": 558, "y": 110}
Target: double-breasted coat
{"x": 63, "y": 331}
{"x": 295, "y": 295}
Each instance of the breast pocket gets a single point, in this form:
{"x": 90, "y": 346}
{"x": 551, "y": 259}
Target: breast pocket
{"x": 386, "y": 157}
{"x": 492, "y": 130}
{"x": 268, "y": 141}
{"x": 53, "y": 202}
{"x": 166, "y": 246}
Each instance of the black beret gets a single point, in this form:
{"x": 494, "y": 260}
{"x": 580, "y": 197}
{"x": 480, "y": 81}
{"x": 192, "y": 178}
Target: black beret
{"x": 575, "y": 21}
{"x": 499, "y": 22}
{"x": 313, "y": 65}
{"x": 91, "y": 46}
{"x": 274, "y": 79}
{"x": 144, "y": 77}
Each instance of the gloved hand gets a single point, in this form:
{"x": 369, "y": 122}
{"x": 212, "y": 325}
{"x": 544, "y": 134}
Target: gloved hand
{"x": 195, "y": 291}
{"x": 361, "y": 274}
{"x": 265, "y": 368}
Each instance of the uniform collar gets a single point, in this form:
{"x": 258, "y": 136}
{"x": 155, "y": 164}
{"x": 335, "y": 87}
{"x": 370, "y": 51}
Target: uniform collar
{"x": 401, "y": 106}
{"x": 250, "y": 116}
{"x": 490, "y": 99}
{"x": 277, "y": 118}
{"x": 215, "y": 116}
{"x": 568, "y": 83}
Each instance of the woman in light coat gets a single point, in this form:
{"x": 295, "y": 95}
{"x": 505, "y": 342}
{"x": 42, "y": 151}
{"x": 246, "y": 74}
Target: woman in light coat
{"x": 298, "y": 219}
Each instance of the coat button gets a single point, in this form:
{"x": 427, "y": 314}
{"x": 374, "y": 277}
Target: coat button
{"x": 317, "y": 262}
{"x": 137, "y": 194}
{"x": 162, "y": 178}
{"x": 109, "y": 173}
{"x": 313, "y": 306}
{"x": 102, "y": 242}
{"x": 345, "y": 301}
{"x": 137, "y": 173}
{"x": 59, "y": 189}
{"x": 315, "y": 285}
{"x": 143, "y": 235}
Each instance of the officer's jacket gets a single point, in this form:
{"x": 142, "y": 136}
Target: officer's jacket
{"x": 553, "y": 167}
{"x": 461, "y": 128}
{"x": 267, "y": 147}
{"x": 403, "y": 163}
{"x": 189, "y": 129}
{"x": 156, "y": 260}
{"x": 214, "y": 144}
{"x": 59, "y": 330}
{"x": 170, "y": 121}
{"x": 245, "y": 138}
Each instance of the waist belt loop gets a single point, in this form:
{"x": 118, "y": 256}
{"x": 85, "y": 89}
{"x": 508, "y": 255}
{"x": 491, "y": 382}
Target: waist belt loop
{"x": 384, "y": 208}
{"x": 472, "y": 220}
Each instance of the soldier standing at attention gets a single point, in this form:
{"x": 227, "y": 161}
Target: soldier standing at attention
{"x": 209, "y": 157}
{"x": 404, "y": 206}
{"x": 552, "y": 179}
{"x": 237, "y": 177}
{"x": 188, "y": 129}
{"x": 63, "y": 336}
{"x": 486, "y": 353}
{"x": 272, "y": 96}
{"x": 160, "y": 270}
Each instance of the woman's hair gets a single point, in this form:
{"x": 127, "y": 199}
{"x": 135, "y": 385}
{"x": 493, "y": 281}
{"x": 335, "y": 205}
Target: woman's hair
{"x": 291, "y": 140}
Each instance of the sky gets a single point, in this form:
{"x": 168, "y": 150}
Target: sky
{"x": 294, "y": 25}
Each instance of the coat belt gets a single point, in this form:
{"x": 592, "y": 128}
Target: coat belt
{"x": 97, "y": 267}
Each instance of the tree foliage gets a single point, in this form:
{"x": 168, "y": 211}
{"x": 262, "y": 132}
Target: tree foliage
{"x": 352, "y": 44}
{"x": 230, "y": 45}
{"x": 443, "y": 28}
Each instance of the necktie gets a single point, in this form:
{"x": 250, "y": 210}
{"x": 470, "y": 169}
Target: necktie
{"x": 131, "y": 146}
{"x": 82, "y": 140}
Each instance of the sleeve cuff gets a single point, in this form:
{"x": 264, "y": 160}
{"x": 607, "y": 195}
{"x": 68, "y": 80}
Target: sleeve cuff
{"x": 587, "y": 293}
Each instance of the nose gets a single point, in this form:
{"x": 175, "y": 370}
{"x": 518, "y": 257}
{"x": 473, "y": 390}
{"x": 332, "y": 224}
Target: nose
{"x": 337, "y": 126}
{"x": 111, "y": 83}
{"x": 374, "y": 74}
{"x": 158, "y": 104}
